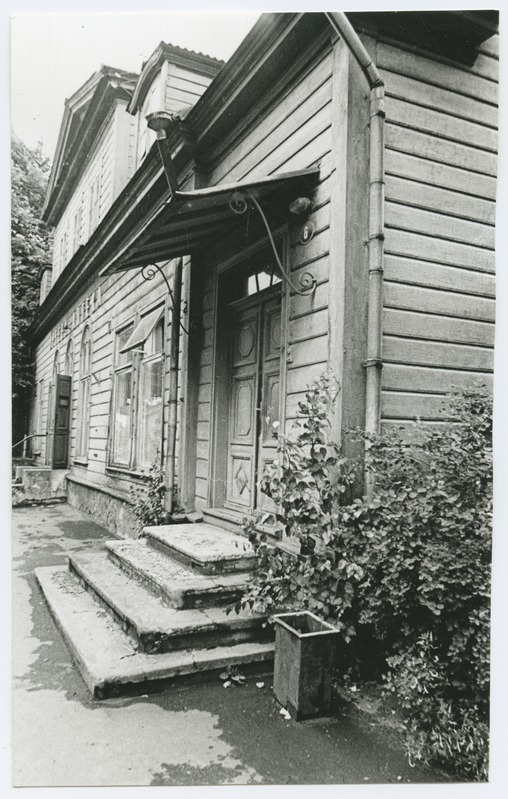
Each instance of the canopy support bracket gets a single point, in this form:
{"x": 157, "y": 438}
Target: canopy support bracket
{"x": 148, "y": 272}
{"x": 239, "y": 204}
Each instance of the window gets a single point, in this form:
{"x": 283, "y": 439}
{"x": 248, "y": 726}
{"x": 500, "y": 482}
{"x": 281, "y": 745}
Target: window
{"x": 150, "y": 397}
{"x": 93, "y": 209}
{"x": 76, "y": 233}
{"x": 50, "y": 421}
{"x": 121, "y": 454}
{"x": 137, "y": 407}
{"x": 40, "y": 408}
{"x": 258, "y": 272}
{"x": 69, "y": 359}
{"x": 35, "y": 444}
{"x": 69, "y": 370}
{"x": 64, "y": 249}
{"x": 51, "y": 396}
{"x": 260, "y": 279}
{"x": 85, "y": 371}
{"x": 45, "y": 284}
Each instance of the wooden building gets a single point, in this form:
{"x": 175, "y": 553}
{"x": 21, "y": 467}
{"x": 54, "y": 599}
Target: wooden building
{"x": 326, "y": 199}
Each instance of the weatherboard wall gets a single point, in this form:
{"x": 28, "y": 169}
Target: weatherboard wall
{"x": 108, "y": 168}
{"x": 183, "y": 88}
{"x": 123, "y": 298}
{"x": 439, "y": 285}
{"x": 289, "y": 129}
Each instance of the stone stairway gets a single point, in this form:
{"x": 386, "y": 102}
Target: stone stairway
{"x": 139, "y": 614}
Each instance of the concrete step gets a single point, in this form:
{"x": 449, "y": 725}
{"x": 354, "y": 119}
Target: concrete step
{"x": 209, "y": 549}
{"x": 177, "y": 585}
{"x": 225, "y": 519}
{"x": 155, "y": 627}
{"x": 229, "y": 520}
{"x": 108, "y": 659}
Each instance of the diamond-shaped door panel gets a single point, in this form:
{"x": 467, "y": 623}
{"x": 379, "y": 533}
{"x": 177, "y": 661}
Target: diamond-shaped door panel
{"x": 240, "y": 481}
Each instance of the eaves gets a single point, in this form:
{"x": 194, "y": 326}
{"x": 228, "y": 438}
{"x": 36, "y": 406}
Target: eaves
{"x": 142, "y": 196}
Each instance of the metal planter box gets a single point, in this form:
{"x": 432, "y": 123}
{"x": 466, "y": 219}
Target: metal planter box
{"x": 305, "y": 652}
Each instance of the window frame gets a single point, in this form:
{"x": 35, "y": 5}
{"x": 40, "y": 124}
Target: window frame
{"x": 94, "y": 198}
{"x": 119, "y": 370}
{"x": 135, "y": 366}
{"x": 84, "y": 397}
{"x": 146, "y": 361}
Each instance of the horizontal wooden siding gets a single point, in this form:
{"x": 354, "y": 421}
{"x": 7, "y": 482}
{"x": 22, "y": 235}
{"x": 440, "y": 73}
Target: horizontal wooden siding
{"x": 441, "y": 163}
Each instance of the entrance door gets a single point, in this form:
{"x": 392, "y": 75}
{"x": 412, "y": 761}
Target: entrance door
{"x": 61, "y": 423}
{"x": 254, "y": 399}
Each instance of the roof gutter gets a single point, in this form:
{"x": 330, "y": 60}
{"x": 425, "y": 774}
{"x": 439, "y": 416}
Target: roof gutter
{"x": 374, "y": 362}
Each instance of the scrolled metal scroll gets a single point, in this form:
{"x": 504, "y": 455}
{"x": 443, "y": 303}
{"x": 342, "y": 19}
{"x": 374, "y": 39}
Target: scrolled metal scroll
{"x": 239, "y": 204}
{"x": 148, "y": 272}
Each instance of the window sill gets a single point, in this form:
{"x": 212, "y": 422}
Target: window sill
{"x": 120, "y": 471}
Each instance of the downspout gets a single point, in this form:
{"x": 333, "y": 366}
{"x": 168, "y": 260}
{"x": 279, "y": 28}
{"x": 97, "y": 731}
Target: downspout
{"x": 374, "y": 362}
{"x": 161, "y": 122}
{"x": 174, "y": 350}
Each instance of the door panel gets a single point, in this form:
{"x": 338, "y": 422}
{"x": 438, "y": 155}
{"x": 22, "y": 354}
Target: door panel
{"x": 242, "y": 411}
{"x": 62, "y": 418}
{"x": 254, "y": 401}
{"x": 270, "y": 395}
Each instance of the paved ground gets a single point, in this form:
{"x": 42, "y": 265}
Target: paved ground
{"x": 198, "y": 735}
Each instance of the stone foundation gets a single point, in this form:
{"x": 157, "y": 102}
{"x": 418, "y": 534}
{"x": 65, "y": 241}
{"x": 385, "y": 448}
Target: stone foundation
{"x": 108, "y": 510}
{"x": 39, "y": 484}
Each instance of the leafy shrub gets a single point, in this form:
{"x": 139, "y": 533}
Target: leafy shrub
{"x": 148, "y": 501}
{"x": 306, "y": 483}
{"x": 406, "y": 568}
{"x": 446, "y": 732}
{"x": 426, "y": 553}
{"x": 424, "y": 541}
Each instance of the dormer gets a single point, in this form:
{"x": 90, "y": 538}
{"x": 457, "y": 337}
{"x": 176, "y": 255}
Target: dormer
{"x": 172, "y": 79}
{"x": 92, "y": 162}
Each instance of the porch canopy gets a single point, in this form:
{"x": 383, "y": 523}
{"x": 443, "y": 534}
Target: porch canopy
{"x": 189, "y": 219}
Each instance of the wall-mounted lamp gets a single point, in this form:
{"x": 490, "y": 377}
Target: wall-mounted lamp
{"x": 160, "y": 122}
{"x": 239, "y": 203}
{"x": 300, "y": 206}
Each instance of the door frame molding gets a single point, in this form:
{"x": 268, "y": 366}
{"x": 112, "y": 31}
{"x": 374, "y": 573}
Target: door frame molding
{"x": 220, "y": 367}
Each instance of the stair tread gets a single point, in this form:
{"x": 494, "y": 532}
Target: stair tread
{"x": 203, "y": 543}
{"x": 106, "y": 655}
{"x": 133, "y": 602}
{"x": 173, "y": 578}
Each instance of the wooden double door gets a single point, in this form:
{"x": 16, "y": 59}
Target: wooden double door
{"x": 254, "y": 399}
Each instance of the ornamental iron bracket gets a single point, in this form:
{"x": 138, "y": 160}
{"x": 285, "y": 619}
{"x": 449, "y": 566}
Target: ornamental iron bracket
{"x": 239, "y": 204}
{"x": 148, "y": 272}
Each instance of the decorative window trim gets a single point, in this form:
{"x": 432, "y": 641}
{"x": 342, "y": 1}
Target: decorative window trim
{"x": 131, "y": 363}
{"x": 84, "y": 396}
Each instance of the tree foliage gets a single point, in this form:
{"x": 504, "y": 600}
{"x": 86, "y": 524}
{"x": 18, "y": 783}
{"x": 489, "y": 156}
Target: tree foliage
{"x": 30, "y": 249}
